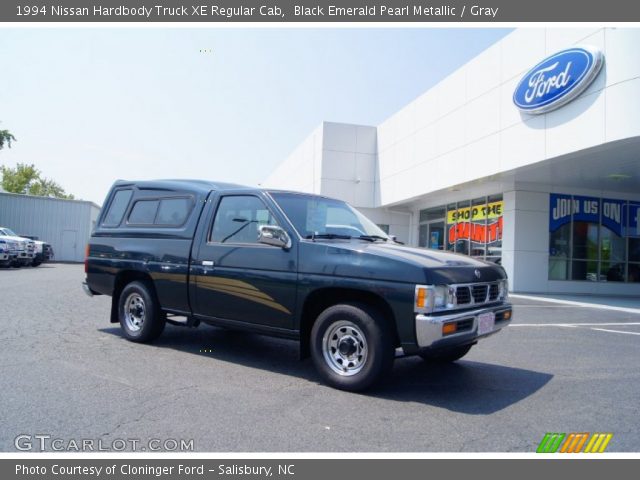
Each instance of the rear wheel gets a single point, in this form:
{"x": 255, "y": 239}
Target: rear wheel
{"x": 447, "y": 356}
{"x": 351, "y": 346}
{"x": 139, "y": 313}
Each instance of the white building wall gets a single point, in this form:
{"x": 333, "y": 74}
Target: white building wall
{"x": 400, "y": 223}
{"x": 300, "y": 171}
{"x": 467, "y": 127}
{"x": 349, "y": 163}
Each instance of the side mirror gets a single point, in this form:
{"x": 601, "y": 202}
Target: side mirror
{"x": 274, "y": 235}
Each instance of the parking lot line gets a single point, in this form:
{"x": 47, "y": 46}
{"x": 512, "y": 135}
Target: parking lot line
{"x": 615, "y": 331}
{"x": 606, "y": 324}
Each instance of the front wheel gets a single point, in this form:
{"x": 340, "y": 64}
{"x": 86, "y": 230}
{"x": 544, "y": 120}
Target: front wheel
{"x": 351, "y": 346}
{"x": 139, "y": 313}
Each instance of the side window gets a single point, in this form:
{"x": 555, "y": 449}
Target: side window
{"x": 117, "y": 208}
{"x": 238, "y": 218}
{"x": 143, "y": 212}
{"x": 173, "y": 211}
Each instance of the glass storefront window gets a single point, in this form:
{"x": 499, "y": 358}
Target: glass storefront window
{"x": 592, "y": 239}
{"x": 471, "y": 227}
{"x": 584, "y": 270}
{"x": 634, "y": 272}
{"x": 585, "y": 240}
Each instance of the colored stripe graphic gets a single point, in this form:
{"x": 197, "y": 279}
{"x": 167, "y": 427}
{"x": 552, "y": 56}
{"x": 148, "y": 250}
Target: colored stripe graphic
{"x": 550, "y": 442}
{"x": 598, "y": 443}
{"x": 573, "y": 442}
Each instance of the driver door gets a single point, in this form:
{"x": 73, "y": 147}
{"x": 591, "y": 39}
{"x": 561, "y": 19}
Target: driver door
{"x": 239, "y": 279}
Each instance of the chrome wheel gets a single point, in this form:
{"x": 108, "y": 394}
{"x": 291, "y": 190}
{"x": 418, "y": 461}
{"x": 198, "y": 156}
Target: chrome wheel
{"x": 134, "y": 312}
{"x": 344, "y": 348}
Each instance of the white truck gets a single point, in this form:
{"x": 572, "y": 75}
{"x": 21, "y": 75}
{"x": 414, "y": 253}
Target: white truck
{"x": 24, "y": 249}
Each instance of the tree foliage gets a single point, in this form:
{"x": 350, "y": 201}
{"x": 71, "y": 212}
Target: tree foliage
{"x": 27, "y": 179}
{"x": 6, "y": 138}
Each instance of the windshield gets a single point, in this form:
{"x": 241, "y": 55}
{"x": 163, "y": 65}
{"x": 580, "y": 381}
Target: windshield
{"x": 317, "y": 216}
{"x": 8, "y": 232}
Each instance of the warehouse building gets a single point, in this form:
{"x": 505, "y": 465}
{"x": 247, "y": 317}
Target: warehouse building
{"x": 65, "y": 224}
{"x": 527, "y": 156}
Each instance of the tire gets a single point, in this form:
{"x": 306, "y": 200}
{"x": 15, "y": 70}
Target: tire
{"x": 447, "y": 356}
{"x": 36, "y": 263}
{"x": 352, "y": 346}
{"x": 139, "y": 313}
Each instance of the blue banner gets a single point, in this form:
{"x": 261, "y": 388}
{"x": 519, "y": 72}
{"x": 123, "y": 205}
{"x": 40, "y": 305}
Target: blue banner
{"x": 589, "y": 209}
{"x": 631, "y": 217}
{"x": 560, "y": 209}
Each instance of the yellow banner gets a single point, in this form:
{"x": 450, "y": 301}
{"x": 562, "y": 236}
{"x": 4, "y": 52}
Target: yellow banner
{"x": 476, "y": 213}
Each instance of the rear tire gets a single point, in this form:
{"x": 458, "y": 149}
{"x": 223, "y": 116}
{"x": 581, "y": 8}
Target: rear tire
{"x": 447, "y": 356}
{"x": 352, "y": 346}
{"x": 139, "y": 313}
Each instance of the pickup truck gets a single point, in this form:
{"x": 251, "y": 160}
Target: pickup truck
{"x": 24, "y": 248}
{"x": 8, "y": 252}
{"x": 294, "y": 265}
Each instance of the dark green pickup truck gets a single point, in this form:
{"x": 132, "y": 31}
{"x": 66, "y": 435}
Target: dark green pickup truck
{"x": 288, "y": 264}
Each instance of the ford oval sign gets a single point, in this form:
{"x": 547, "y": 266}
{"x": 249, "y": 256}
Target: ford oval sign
{"x": 558, "y": 79}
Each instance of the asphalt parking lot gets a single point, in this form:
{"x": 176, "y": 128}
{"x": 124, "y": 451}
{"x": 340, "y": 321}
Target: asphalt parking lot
{"x": 67, "y": 373}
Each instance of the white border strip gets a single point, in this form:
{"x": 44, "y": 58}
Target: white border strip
{"x": 303, "y": 456}
{"x": 576, "y": 304}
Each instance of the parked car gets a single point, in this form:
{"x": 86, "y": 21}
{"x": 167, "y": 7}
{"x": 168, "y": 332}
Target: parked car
{"x": 24, "y": 248}
{"x": 8, "y": 252}
{"x": 43, "y": 251}
{"x": 267, "y": 261}
{"x": 36, "y": 251}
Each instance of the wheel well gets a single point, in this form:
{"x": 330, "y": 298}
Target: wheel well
{"x": 321, "y": 299}
{"x": 123, "y": 279}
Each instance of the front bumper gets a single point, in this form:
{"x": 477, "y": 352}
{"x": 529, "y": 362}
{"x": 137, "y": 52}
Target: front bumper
{"x": 429, "y": 328}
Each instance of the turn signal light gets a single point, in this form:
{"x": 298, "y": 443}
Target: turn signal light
{"x": 421, "y": 297}
{"x": 449, "y": 328}
{"x": 507, "y": 315}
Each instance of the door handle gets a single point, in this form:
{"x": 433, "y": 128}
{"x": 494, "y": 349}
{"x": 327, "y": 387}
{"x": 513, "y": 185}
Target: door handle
{"x": 207, "y": 263}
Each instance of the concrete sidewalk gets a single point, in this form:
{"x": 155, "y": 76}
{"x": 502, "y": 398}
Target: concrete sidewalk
{"x": 621, "y": 304}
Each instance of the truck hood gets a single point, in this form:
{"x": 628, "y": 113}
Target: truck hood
{"x": 393, "y": 262}
{"x": 16, "y": 239}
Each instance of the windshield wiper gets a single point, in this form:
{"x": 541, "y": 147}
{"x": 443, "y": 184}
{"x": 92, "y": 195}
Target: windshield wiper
{"x": 372, "y": 238}
{"x": 329, "y": 236}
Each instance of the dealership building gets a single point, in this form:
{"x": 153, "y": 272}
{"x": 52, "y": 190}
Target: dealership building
{"x": 528, "y": 156}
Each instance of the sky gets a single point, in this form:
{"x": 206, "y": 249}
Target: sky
{"x": 89, "y": 106}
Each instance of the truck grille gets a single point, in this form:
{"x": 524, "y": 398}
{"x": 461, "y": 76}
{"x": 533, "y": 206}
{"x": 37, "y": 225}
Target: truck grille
{"x": 477, "y": 293}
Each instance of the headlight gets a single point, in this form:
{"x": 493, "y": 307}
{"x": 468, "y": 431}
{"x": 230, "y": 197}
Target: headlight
{"x": 504, "y": 289}
{"x": 440, "y": 296}
{"x": 433, "y": 297}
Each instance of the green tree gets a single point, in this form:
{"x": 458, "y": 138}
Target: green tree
{"x": 6, "y": 138}
{"x": 27, "y": 179}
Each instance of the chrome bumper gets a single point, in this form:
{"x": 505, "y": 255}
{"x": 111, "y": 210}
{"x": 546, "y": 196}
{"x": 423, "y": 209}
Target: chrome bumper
{"x": 429, "y": 327}
{"x": 86, "y": 289}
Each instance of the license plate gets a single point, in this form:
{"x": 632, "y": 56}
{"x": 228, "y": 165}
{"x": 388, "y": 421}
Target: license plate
{"x": 486, "y": 323}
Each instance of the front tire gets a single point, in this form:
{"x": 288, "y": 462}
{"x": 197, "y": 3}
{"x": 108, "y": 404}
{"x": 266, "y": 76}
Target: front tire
{"x": 139, "y": 313}
{"x": 352, "y": 346}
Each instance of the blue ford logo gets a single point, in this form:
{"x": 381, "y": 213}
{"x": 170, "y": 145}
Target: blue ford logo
{"x": 558, "y": 79}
